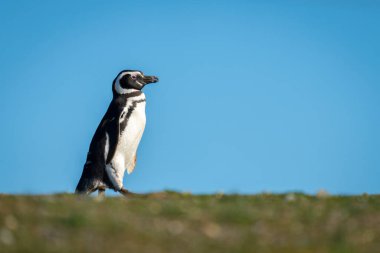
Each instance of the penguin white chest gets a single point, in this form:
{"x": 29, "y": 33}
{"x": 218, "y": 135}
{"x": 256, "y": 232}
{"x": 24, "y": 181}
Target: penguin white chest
{"x": 130, "y": 137}
{"x": 133, "y": 117}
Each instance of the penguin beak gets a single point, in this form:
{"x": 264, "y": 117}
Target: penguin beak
{"x": 150, "y": 79}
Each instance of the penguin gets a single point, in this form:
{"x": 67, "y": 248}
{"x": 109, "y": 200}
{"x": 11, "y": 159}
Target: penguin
{"x": 114, "y": 145}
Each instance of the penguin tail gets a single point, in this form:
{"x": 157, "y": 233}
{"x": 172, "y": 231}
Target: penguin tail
{"x": 82, "y": 187}
{"x": 86, "y": 183}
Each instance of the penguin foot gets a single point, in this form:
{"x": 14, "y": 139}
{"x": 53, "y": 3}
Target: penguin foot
{"x": 127, "y": 193}
{"x": 101, "y": 192}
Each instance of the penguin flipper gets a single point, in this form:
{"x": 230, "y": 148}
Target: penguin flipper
{"x": 102, "y": 150}
{"x": 112, "y": 138}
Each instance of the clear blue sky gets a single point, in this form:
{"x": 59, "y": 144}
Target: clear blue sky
{"x": 253, "y": 95}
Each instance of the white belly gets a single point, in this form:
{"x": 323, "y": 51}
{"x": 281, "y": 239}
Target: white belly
{"x": 124, "y": 158}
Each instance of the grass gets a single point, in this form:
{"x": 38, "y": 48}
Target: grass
{"x": 174, "y": 222}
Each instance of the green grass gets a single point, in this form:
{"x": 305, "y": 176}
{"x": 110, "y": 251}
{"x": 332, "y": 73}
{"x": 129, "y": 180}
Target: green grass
{"x": 173, "y": 222}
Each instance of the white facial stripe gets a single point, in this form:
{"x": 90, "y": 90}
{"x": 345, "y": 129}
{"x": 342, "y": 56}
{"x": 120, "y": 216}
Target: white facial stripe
{"x": 121, "y": 90}
{"x": 131, "y": 73}
{"x": 139, "y": 83}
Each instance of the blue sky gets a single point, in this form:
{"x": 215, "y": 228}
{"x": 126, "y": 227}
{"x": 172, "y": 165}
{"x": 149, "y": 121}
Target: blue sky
{"x": 253, "y": 95}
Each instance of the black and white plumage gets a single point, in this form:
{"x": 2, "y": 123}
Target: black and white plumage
{"x": 114, "y": 145}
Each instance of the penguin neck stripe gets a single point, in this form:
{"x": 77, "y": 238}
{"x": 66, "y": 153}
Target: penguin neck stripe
{"x": 133, "y": 94}
{"x": 130, "y": 109}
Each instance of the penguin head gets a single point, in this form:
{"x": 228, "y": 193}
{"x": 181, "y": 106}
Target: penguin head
{"x": 129, "y": 80}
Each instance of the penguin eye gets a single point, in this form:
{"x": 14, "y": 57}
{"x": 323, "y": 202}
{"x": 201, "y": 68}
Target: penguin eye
{"x": 133, "y": 77}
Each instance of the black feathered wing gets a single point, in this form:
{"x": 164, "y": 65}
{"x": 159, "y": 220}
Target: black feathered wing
{"x": 102, "y": 149}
